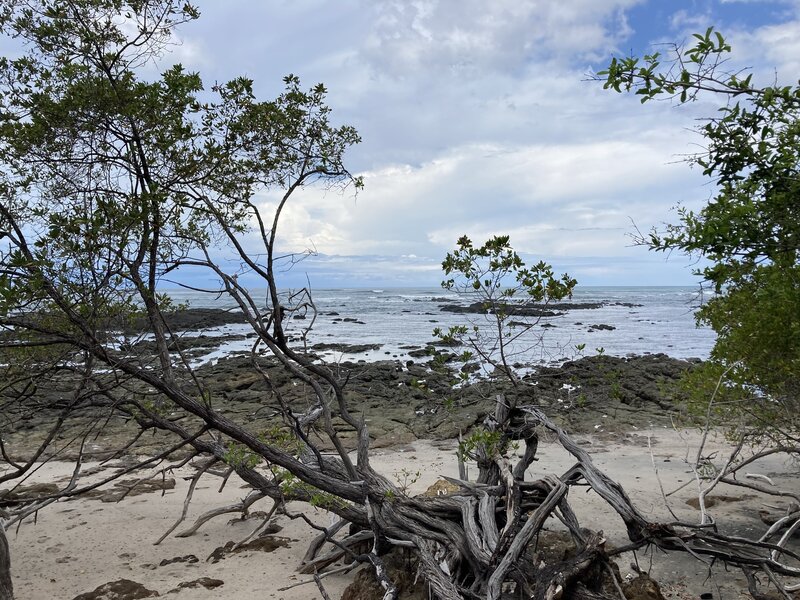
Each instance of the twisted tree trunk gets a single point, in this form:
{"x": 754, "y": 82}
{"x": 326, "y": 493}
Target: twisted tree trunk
{"x": 6, "y": 588}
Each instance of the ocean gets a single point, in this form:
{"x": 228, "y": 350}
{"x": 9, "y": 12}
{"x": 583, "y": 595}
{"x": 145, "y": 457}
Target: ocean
{"x": 632, "y": 320}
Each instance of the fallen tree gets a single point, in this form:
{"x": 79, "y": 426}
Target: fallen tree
{"x": 114, "y": 185}
{"x": 6, "y": 585}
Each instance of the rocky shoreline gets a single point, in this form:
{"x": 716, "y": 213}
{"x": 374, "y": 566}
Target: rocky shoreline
{"x": 403, "y": 399}
{"x": 407, "y": 401}
{"x": 533, "y": 309}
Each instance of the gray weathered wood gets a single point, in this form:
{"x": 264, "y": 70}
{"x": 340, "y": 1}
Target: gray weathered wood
{"x": 6, "y": 586}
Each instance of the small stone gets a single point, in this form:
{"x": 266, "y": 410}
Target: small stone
{"x": 206, "y": 582}
{"x": 189, "y": 558}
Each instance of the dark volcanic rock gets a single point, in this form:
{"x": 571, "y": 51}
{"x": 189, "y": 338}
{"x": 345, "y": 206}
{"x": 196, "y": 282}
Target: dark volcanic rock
{"x": 122, "y": 589}
{"x": 404, "y": 402}
{"x": 352, "y": 320}
{"x": 526, "y": 310}
{"x": 628, "y": 391}
{"x": 194, "y": 318}
{"x": 534, "y": 309}
{"x": 267, "y": 543}
{"x": 26, "y": 493}
{"x": 642, "y": 587}
{"x": 451, "y": 343}
{"x": 347, "y": 348}
{"x": 189, "y": 558}
{"x": 601, "y": 327}
{"x": 401, "y": 403}
{"x": 422, "y": 352}
{"x": 204, "y": 582}
{"x": 184, "y": 343}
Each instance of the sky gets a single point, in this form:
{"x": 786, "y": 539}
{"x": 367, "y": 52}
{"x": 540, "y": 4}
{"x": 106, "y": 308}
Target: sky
{"x": 480, "y": 118}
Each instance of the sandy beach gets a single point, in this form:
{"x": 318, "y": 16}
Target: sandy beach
{"x": 74, "y": 546}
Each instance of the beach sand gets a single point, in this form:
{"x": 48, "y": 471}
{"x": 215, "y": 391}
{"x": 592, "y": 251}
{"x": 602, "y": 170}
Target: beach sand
{"x": 74, "y": 546}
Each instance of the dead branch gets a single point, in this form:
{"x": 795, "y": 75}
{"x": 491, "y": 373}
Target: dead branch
{"x": 200, "y": 472}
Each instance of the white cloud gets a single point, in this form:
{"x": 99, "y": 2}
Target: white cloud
{"x": 766, "y": 50}
{"x": 686, "y": 21}
{"x": 775, "y": 47}
{"x": 476, "y": 119}
{"x": 572, "y": 199}
{"x": 464, "y": 37}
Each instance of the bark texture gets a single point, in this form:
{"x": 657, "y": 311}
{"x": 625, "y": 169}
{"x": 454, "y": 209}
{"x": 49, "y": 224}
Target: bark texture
{"x": 6, "y": 587}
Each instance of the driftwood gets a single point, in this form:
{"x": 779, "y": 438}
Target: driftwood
{"x": 482, "y": 532}
{"x": 6, "y": 587}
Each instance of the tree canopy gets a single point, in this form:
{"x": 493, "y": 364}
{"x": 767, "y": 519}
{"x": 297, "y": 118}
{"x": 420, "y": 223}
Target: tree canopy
{"x": 750, "y": 230}
{"x": 112, "y": 182}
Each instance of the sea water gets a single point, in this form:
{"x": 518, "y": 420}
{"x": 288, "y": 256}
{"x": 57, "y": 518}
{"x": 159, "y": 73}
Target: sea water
{"x": 641, "y": 320}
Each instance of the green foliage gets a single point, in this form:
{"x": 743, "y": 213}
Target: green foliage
{"x": 758, "y": 326}
{"x": 481, "y": 443}
{"x": 155, "y": 406}
{"x": 406, "y": 478}
{"x": 500, "y": 276}
{"x": 706, "y": 393}
{"x": 240, "y": 457}
{"x": 497, "y": 277}
{"x": 283, "y": 439}
{"x": 756, "y": 360}
{"x": 645, "y": 77}
{"x": 110, "y": 181}
{"x": 114, "y": 178}
{"x": 750, "y": 231}
{"x": 294, "y": 488}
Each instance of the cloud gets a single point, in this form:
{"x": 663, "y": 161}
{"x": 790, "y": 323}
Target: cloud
{"x": 776, "y": 48}
{"x": 570, "y": 199}
{"x": 685, "y": 21}
{"x": 464, "y": 37}
{"x": 764, "y": 35}
{"x": 758, "y": 2}
{"x": 476, "y": 119}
